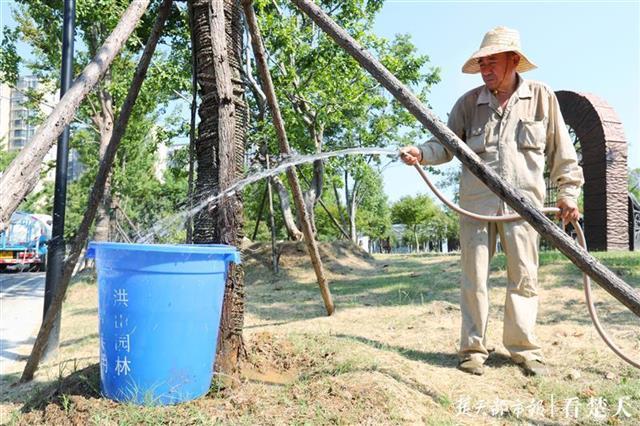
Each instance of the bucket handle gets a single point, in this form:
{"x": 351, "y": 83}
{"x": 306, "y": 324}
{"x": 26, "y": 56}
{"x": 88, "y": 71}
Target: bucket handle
{"x": 233, "y": 257}
{"x": 91, "y": 252}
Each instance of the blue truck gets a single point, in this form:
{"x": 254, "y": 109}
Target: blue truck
{"x": 23, "y": 245}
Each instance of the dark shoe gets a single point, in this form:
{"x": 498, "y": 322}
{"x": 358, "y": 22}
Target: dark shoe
{"x": 534, "y": 368}
{"x": 472, "y": 366}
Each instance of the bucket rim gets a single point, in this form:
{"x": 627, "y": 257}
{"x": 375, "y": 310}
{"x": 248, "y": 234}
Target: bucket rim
{"x": 221, "y": 249}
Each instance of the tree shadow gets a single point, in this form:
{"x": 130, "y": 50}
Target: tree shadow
{"x": 6, "y": 347}
{"x": 439, "y": 359}
{"x": 84, "y": 382}
{"x": 79, "y": 340}
{"x": 576, "y": 312}
{"x": 23, "y": 285}
{"x": 405, "y": 282}
{"x": 87, "y": 311}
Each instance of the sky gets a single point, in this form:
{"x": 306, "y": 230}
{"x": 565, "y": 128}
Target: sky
{"x": 581, "y": 46}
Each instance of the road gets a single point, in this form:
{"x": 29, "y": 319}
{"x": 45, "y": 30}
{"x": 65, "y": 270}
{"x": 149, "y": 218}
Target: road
{"x": 21, "y": 305}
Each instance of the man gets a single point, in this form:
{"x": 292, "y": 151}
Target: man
{"x": 512, "y": 124}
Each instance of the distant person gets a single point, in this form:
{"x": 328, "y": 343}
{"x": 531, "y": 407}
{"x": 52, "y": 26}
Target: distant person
{"x": 512, "y": 124}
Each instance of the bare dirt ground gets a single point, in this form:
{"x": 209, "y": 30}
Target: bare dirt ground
{"x": 387, "y": 356}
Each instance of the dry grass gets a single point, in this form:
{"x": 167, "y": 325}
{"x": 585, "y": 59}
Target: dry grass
{"x": 387, "y": 356}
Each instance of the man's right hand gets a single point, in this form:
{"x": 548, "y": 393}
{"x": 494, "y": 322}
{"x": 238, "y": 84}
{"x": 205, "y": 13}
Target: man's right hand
{"x": 410, "y": 155}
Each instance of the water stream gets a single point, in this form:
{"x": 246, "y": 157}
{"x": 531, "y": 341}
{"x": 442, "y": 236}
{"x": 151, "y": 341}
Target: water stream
{"x": 164, "y": 226}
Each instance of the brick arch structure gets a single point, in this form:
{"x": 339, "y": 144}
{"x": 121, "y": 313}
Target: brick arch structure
{"x": 604, "y": 162}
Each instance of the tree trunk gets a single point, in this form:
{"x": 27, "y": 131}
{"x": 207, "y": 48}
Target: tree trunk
{"x": 272, "y": 226}
{"x": 217, "y": 30}
{"x": 339, "y": 205}
{"x": 22, "y": 174}
{"x": 317, "y": 182}
{"x": 352, "y": 205}
{"x": 613, "y": 284}
{"x": 350, "y": 199}
{"x": 104, "y": 123}
{"x": 293, "y": 231}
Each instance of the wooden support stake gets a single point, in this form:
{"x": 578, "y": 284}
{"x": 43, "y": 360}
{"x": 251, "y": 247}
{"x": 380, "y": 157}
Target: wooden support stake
{"x": 518, "y": 202}
{"x": 22, "y": 174}
{"x": 265, "y": 76}
{"x": 96, "y": 194}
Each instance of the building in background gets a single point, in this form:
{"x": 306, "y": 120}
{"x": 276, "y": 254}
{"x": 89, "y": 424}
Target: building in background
{"x": 21, "y": 115}
{"x": 5, "y": 114}
{"x": 17, "y": 121}
{"x": 165, "y": 158}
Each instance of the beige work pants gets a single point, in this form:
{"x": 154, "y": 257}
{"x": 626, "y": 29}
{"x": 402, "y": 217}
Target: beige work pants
{"x": 520, "y": 244}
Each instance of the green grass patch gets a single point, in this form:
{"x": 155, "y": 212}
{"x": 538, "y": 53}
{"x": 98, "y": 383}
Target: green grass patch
{"x": 624, "y": 264}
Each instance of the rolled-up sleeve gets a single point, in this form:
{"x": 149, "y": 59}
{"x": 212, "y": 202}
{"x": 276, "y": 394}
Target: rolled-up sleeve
{"x": 561, "y": 155}
{"x": 433, "y": 152}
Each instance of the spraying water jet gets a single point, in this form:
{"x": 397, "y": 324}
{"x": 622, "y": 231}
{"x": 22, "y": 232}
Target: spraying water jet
{"x": 290, "y": 161}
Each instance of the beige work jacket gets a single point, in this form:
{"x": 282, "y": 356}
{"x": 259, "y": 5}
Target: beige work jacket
{"x": 514, "y": 142}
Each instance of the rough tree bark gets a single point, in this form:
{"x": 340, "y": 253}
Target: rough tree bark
{"x": 22, "y": 174}
{"x": 217, "y": 30}
{"x": 96, "y": 195}
{"x": 579, "y": 256}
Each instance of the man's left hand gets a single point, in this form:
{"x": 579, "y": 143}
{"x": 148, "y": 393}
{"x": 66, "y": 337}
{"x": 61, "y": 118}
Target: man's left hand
{"x": 568, "y": 210}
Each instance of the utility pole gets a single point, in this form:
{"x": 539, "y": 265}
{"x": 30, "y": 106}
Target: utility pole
{"x": 56, "y": 251}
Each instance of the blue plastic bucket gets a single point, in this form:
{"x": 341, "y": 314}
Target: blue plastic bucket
{"x": 159, "y": 308}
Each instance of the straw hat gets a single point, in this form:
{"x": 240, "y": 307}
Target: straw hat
{"x": 497, "y": 40}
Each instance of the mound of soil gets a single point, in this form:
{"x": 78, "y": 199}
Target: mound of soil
{"x": 338, "y": 257}
{"x": 269, "y": 360}
{"x": 50, "y": 405}
{"x": 273, "y": 359}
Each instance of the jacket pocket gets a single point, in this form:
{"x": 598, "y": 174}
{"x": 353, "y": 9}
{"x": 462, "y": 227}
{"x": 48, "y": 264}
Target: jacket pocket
{"x": 532, "y": 134}
{"x": 476, "y": 140}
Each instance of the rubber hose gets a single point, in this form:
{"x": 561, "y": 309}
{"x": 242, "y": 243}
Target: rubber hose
{"x": 586, "y": 281}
